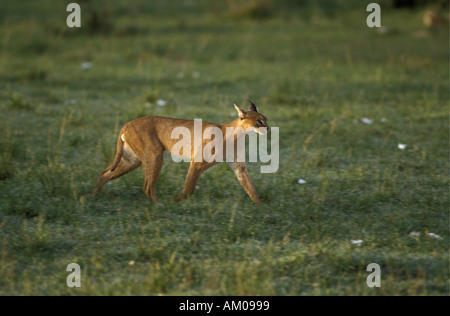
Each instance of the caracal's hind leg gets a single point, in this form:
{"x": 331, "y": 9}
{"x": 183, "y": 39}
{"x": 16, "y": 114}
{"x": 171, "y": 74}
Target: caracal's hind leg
{"x": 128, "y": 162}
{"x": 152, "y": 167}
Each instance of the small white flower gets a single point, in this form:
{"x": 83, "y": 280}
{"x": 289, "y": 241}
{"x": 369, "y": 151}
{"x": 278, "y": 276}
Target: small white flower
{"x": 131, "y": 263}
{"x": 402, "y": 146}
{"x": 432, "y": 235}
{"x": 86, "y": 65}
{"x": 367, "y": 121}
{"x": 301, "y": 181}
{"x": 414, "y": 234}
{"x": 161, "y": 102}
{"x": 357, "y": 243}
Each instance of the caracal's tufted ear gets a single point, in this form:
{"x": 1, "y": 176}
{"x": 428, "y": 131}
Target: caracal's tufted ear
{"x": 240, "y": 111}
{"x": 253, "y": 106}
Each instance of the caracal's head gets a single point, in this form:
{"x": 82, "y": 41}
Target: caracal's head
{"x": 252, "y": 120}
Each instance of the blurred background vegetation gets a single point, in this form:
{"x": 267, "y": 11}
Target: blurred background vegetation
{"x": 344, "y": 96}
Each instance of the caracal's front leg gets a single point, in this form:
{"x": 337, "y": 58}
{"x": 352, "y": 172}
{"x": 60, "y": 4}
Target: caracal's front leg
{"x": 240, "y": 170}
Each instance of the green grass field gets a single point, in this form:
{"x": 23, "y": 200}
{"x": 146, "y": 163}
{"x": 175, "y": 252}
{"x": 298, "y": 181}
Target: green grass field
{"x": 315, "y": 71}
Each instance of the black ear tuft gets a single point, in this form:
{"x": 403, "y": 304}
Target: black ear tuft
{"x": 253, "y": 106}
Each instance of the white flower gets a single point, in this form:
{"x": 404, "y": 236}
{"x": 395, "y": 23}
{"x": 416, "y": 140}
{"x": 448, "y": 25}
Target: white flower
{"x": 402, "y": 146}
{"x": 357, "y": 243}
{"x": 161, "y": 102}
{"x": 86, "y": 65}
{"x": 414, "y": 234}
{"x": 301, "y": 181}
{"x": 367, "y": 121}
{"x": 432, "y": 235}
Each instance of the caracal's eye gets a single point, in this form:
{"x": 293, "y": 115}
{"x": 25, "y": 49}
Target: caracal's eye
{"x": 260, "y": 123}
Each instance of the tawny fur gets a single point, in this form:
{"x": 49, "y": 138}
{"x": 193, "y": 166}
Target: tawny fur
{"x": 144, "y": 140}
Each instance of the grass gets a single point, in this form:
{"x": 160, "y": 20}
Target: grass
{"x": 314, "y": 74}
